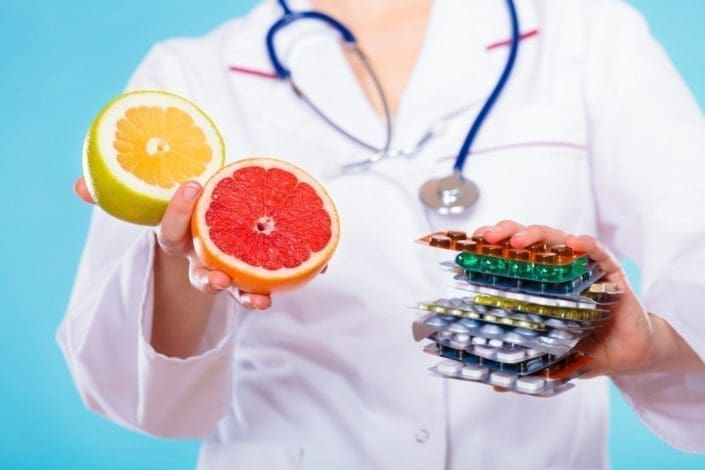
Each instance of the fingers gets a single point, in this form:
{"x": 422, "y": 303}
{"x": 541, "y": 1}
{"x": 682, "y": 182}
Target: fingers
{"x": 250, "y": 301}
{"x": 499, "y": 232}
{"x": 598, "y": 252}
{"x": 537, "y": 233}
{"x": 205, "y": 280}
{"x": 520, "y": 236}
{"x": 81, "y": 190}
{"x": 174, "y": 231}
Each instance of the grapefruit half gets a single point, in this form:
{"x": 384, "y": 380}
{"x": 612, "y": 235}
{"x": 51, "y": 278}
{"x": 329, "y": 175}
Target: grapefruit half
{"x": 266, "y": 223}
{"x": 141, "y": 147}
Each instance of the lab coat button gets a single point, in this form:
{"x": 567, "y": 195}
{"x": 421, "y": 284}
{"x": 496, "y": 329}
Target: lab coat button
{"x": 422, "y": 435}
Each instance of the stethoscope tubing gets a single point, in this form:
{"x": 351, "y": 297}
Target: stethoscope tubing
{"x": 284, "y": 73}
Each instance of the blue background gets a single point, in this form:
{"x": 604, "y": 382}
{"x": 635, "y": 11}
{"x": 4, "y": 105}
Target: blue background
{"x": 59, "y": 63}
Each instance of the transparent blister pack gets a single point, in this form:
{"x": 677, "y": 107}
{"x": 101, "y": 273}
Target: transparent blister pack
{"x": 494, "y": 309}
{"x": 495, "y": 358}
{"x": 578, "y": 302}
{"x": 538, "y": 262}
{"x": 465, "y": 308}
{"x": 492, "y": 349}
{"x": 556, "y": 342}
{"x": 548, "y": 382}
{"x": 569, "y": 288}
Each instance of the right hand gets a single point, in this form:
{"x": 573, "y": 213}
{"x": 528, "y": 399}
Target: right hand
{"x": 174, "y": 239}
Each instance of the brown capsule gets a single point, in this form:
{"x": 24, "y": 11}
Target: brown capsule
{"x": 456, "y": 235}
{"x": 538, "y": 247}
{"x": 492, "y": 250}
{"x": 521, "y": 255}
{"x": 465, "y": 245}
{"x": 545, "y": 257}
{"x": 478, "y": 239}
{"x": 562, "y": 250}
{"x": 440, "y": 241}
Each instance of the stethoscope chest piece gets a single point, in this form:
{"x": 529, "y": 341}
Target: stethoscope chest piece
{"x": 451, "y": 195}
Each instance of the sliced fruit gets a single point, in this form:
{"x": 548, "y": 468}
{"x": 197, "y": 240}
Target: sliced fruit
{"x": 141, "y": 147}
{"x": 266, "y": 223}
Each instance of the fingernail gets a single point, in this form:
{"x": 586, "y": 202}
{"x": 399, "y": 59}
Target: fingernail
{"x": 191, "y": 191}
{"x": 246, "y": 300}
{"x": 494, "y": 229}
{"x": 521, "y": 234}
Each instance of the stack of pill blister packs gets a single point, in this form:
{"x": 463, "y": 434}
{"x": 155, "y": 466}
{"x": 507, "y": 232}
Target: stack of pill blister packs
{"x": 519, "y": 314}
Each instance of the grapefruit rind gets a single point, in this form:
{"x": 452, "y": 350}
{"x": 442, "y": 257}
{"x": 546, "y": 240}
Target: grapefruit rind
{"x": 119, "y": 192}
{"x": 251, "y": 278}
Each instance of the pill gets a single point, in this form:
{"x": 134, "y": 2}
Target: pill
{"x": 491, "y": 329}
{"x": 474, "y": 372}
{"x": 511, "y": 355}
{"x": 521, "y": 255}
{"x": 478, "y": 340}
{"x": 456, "y": 235}
{"x": 514, "y": 338}
{"x": 496, "y": 343}
{"x": 446, "y": 334}
{"x": 533, "y": 352}
{"x": 436, "y": 322}
{"x": 547, "y": 340}
{"x": 525, "y": 332}
{"x": 545, "y": 258}
{"x": 498, "y": 312}
{"x": 469, "y": 323}
{"x": 443, "y": 302}
{"x": 462, "y": 338}
{"x": 441, "y": 241}
{"x": 458, "y": 327}
{"x": 484, "y": 351}
{"x": 481, "y": 308}
{"x": 502, "y": 379}
{"x": 555, "y": 323}
{"x": 449, "y": 367}
{"x": 561, "y": 334}
{"x": 466, "y": 245}
{"x": 530, "y": 384}
{"x": 492, "y": 250}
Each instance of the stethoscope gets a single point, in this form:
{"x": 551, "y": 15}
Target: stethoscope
{"x": 453, "y": 194}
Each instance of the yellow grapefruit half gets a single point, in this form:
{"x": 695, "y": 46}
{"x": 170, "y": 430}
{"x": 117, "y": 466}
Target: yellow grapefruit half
{"x": 266, "y": 223}
{"x": 141, "y": 147}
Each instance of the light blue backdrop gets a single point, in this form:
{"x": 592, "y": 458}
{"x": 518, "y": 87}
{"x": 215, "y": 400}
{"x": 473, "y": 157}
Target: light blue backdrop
{"x": 59, "y": 63}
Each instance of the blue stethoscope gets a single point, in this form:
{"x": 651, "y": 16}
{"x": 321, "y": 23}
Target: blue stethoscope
{"x": 453, "y": 194}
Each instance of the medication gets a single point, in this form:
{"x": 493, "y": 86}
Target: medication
{"x": 467, "y": 310}
{"x": 524, "y": 312}
{"x": 571, "y": 287}
{"x": 542, "y": 310}
{"x": 549, "y": 382}
{"x": 556, "y": 342}
{"x": 462, "y": 356}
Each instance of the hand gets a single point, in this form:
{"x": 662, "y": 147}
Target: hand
{"x": 174, "y": 240}
{"x": 631, "y": 341}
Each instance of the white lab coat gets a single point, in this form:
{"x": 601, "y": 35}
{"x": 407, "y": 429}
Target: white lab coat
{"x": 596, "y": 134}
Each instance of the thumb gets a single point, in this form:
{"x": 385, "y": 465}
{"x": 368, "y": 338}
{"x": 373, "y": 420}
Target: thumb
{"x": 174, "y": 231}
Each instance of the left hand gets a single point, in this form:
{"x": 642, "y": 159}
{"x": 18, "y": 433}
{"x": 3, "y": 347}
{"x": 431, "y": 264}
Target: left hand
{"x": 631, "y": 341}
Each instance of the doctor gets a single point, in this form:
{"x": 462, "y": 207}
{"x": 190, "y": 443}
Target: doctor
{"x": 593, "y": 133}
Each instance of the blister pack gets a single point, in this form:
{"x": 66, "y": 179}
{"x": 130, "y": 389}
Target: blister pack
{"x": 466, "y": 308}
{"x": 460, "y": 330}
{"x": 523, "y": 313}
{"x": 528, "y": 365}
{"x": 547, "y": 382}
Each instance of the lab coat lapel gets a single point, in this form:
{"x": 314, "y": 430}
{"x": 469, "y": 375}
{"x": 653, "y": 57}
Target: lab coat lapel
{"x": 313, "y": 53}
{"x": 456, "y": 70}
